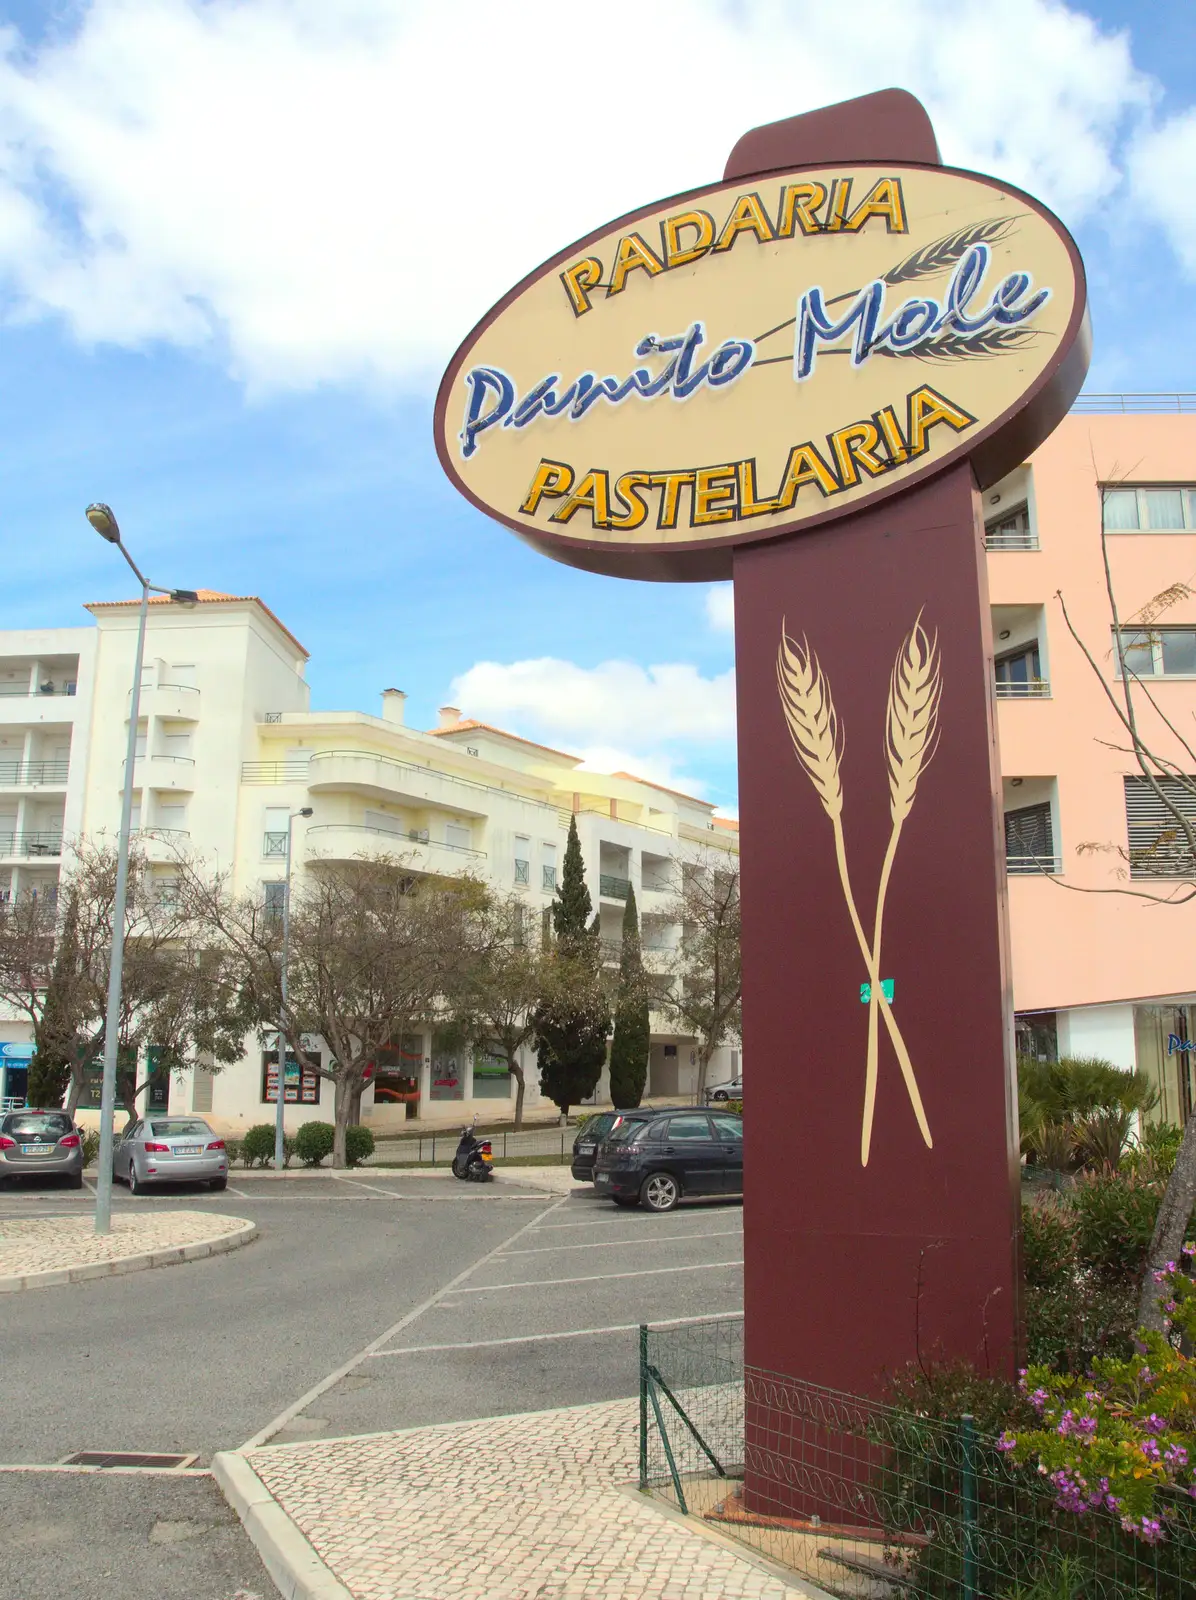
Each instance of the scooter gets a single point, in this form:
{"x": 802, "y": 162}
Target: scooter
{"x": 474, "y": 1160}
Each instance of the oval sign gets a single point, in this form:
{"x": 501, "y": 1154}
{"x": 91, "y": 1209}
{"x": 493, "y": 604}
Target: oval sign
{"x": 759, "y": 357}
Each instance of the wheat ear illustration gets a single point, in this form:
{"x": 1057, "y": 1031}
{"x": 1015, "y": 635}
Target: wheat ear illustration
{"x": 910, "y": 738}
{"x": 818, "y": 746}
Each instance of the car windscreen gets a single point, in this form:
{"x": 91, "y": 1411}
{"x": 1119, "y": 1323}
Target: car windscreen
{"x": 177, "y": 1128}
{"x": 29, "y": 1125}
{"x": 597, "y": 1127}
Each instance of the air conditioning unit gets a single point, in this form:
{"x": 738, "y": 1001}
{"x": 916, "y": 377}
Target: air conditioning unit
{"x": 420, "y": 835}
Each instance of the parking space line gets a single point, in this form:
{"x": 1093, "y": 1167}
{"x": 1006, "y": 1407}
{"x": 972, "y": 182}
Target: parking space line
{"x": 539, "y": 1338}
{"x": 88, "y": 1185}
{"x": 372, "y": 1187}
{"x": 612, "y": 1217}
{"x": 280, "y": 1421}
{"x": 598, "y": 1277}
{"x": 613, "y": 1244}
{"x": 240, "y": 1193}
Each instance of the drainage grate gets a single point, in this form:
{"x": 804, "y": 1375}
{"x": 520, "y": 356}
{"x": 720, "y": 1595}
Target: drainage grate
{"x": 125, "y": 1458}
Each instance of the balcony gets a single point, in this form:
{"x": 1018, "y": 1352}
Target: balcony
{"x": 34, "y": 774}
{"x": 348, "y": 841}
{"x": 164, "y": 772}
{"x": 162, "y": 846}
{"x": 30, "y": 846}
{"x": 1029, "y": 866}
{"x": 1024, "y": 689}
{"x": 21, "y": 707}
{"x": 175, "y": 702}
{"x": 612, "y": 888}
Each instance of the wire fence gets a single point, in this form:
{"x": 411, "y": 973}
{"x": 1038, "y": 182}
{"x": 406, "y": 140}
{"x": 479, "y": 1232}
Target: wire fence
{"x": 871, "y": 1500}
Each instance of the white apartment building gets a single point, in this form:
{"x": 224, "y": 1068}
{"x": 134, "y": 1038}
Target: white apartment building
{"x": 228, "y": 750}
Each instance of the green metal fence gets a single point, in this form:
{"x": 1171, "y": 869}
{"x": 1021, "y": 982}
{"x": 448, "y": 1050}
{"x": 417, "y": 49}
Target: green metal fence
{"x": 872, "y": 1501}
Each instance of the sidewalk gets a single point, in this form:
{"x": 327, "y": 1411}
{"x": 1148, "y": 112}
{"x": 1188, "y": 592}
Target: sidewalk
{"x": 45, "y": 1252}
{"x": 528, "y": 1507}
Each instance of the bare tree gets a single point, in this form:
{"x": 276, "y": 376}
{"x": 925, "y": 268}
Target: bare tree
{"x": 1170, "y": 776}
{"x": 504, "y": 984}
{"x": 375, "y": 952}
{"x": 706, "y": 975}
{"x": 178, "y": 1000}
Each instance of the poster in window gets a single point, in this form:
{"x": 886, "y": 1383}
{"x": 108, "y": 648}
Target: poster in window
{"x": 301, "y": 1085}
{"x": 491, "y": 1079}
{"x": 448, "y": 1076}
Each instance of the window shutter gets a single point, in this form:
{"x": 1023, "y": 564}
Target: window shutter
{"x": 1158, "y": 845}
{"x": 1029, "y": 843}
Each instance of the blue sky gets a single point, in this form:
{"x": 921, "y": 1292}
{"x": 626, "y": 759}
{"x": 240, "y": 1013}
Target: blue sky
{"x": 238, "y": 242}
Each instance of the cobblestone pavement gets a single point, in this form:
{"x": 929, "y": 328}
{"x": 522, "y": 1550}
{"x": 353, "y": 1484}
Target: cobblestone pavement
{"x": 531, "y": 1507}
{"x": 65, "y": 1244}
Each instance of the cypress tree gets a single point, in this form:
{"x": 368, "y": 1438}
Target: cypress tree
{"x": 632, "y": 1038}
{"x": 573, "y": 1018}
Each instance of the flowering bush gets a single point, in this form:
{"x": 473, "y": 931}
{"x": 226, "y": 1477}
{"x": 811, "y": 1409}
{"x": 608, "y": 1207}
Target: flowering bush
{"x": 1111, "y": 1441}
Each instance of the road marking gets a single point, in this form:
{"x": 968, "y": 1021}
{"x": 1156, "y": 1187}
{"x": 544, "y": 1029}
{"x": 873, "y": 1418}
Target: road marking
{"x": 333, "y": 1378}
{"x": 613, "y": 1217}
{"x": 537, "y": 1338}
{"x": 599, "y": 1277}
{"x": 240, "y": 1193}
{"x": 372, "y": 1187}
{"x": 88, "y": 1185}
{"x": 614, "y": 1244}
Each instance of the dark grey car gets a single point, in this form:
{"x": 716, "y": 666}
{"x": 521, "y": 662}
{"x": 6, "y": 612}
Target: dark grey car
{"x": 35, "y": 1144}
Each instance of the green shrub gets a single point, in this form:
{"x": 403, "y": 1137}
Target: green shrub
{"x": 1048, "y": 1245}
{"x": 1114, "y": 1217}
{"x": 232, "y": 1149}
{"x": 359, "y": 1143}
{"x": 583, "y": 1117}
{"x": 91, "y": 1145}
{"x": 1155, "y": 1152}
{"x": 257, "y": 1145}
{"x": 313, "y": 1142}
{"x": 733, "y": 1105}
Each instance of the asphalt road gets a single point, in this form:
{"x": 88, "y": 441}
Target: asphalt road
{"x": 367, "y": 1303}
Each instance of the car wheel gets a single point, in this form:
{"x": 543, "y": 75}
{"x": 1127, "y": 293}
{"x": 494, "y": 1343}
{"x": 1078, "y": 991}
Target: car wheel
{"x": 135, "y": 1184}
{"x": 660, "y": 1191}
{"x": 720, "y": 1094}
{"x": 626, "y": 1200}
{"x": 219, "y": 1183}
{"x": 75, "y": 1181}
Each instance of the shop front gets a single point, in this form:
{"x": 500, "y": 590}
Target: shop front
{"x": 14, "y": 1074}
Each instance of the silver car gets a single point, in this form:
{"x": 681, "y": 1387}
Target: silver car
{"x": 34, "y": 1144}
{"x": 725, "y": 1091}
{"x": 169, "y": 1150}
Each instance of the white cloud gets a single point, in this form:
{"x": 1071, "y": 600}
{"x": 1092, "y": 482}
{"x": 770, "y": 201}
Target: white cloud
{"x": 1160, "y": 163}
{"x": 335, "y": 192}
{"x": 720, "y": 607}
{"x": 616, "y": 703}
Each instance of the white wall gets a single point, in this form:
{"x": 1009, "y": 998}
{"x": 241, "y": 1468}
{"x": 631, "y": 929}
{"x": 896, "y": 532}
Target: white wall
{"x": 1104, "y": 1031}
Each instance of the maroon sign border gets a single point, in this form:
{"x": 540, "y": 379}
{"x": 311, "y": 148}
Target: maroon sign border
{"x": 999, "y": 447}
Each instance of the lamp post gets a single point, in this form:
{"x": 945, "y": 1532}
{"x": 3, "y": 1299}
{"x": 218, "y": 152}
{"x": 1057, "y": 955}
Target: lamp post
{"x": 305, "y": 811}
{"x": 104, "y": 522}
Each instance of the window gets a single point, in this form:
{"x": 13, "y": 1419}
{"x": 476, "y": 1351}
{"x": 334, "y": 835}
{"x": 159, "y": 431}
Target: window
{"x": 523, "y": 862}
{"x": 202, "y": 1081}
{"x": 1029, "y": 841}
{"x": 1019, "y": 673}
{"x": 1010, "y": 531}
{"x": 1158, "y": 844}
{"x": 172, "y": 817}
{"x": 301, "y": 1086}
{"x": 548, "y": 877}
{"x": 177, "y": 746}
{"x": 166, "y": 891}
{"x": 1149, "y": 510}
{"x": 1159, "y": 652}
{"x": 726, "y": 1127}
{"x": 457, "y": 836}
{"x": 177, "y": 1127}
{"x": 689, "y": 1127}
{"x": 274, "y": 836}
{"x": 181, "y": 674}
{"x": 273, "y": 896}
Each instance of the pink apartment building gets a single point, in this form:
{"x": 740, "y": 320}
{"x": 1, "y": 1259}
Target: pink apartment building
{"x": 1103, "y": 974}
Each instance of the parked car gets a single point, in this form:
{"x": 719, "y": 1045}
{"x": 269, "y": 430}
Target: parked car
{"x": 169, "y": 1150}
{"x": 725, "y": 1091}
{"x": 34, "y": 1143}
{"x": 599, "y": 1127}
{"x": 682, "y": 1153}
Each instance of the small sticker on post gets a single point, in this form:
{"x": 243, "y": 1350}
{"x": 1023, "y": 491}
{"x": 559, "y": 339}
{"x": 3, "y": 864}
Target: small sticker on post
{"x": 887, "y": 986}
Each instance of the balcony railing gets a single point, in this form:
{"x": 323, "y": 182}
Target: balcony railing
{"x": 30, "y": 844}
{"x": 274, "y": 844}
{"x": 1135, "y": 404}
{"x": 1021, "y": 866}
{"x": 1030, "y": 689}
{"x": 39, "y": 694}
{"x": 614, "y": 888}
{"x": 297, "y": 769}
{"x": 523, "y": 871}
{"x": 414, "y": 836}
{"x": 1011, "y": 539}
{"x": 27, "y": 774}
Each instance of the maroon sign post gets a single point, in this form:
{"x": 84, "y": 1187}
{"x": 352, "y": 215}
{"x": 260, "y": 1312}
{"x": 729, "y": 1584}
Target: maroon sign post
{"x": 923, "y": 329}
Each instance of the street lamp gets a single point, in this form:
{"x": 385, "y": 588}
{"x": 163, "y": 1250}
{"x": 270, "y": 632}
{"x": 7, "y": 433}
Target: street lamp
{"x": 105, "y": 524}
{"x": 305, "y": 811}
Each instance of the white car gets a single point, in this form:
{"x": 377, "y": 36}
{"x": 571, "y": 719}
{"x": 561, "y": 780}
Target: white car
{"x": 165, "y": 1149}
{"x": 726, "y": 1091}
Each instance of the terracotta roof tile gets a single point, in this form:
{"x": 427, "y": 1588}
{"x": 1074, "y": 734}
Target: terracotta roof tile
{"x": 468, "y": 725}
